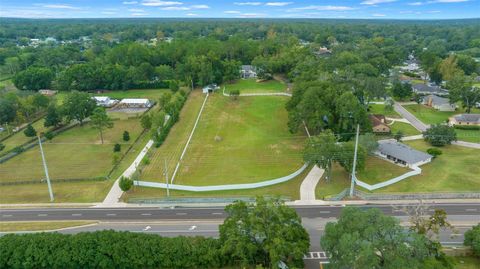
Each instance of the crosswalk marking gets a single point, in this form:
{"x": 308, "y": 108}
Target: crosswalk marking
{"x": 315, "y": 255}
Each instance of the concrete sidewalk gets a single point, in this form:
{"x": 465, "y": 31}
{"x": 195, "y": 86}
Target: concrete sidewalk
{"x": 115, "y": 192}
{"x": 307, "y": 188}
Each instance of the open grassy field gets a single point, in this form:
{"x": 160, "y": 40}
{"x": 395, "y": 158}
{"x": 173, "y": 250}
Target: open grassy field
{"x": 39, "y": 225}
{"x": 456, "y": 170}
{"x": 20, "y": 138}
{"x": 239, "y": 141}
{"x": 468, "y": 135}
{"x": 405, "y": 128}
{"x": 75, "y": 153}
{"x": 380, "y": 109}
{"x": 251, "y": 86}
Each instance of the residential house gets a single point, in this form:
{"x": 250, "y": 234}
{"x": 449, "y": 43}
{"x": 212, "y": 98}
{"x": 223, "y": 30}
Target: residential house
{"x": 105, "y": 101}
{"x": 465, "y": 119}
{"x": 323, "y": 51}
{"x": 425, "y": 89}
{"x": 248, "y": 71}
{"x": 210, "y": 88}
{"x": 134, "y": 103}
{"x": 402, "y": 154}
{"x": 439, "y": 103}
{"x": 379, "y": 124}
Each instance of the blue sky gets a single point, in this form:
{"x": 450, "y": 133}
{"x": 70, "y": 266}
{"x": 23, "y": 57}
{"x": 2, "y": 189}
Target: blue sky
{"x": 371, "y": 9}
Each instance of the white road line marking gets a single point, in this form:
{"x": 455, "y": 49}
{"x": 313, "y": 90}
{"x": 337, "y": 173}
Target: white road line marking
{"x": 217, "y": 213}
{"x": 42, "y": 215}
{"x": 470, "y": 209}
{"x": 146, "y": 214}
{"x": 181, "y": 214}
{"x": 324, "y": 212}
{"x": 76, "y": 215}
{"x": 6, "y": 216}
{"x": 111, "y": 214}
{"x": 455, "y": 234}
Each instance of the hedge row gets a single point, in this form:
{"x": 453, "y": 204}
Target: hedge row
{"x": 467, "y": 127}
{"x": 173, "y": 109}
{"x": 108, "y": 249}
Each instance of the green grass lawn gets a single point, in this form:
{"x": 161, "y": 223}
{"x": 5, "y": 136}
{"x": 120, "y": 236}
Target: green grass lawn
{"x": 407, "y": 129}
{"x": 254, "y": 143}
{"x": 467, "y": 263}
{"x": 75, "y": 153}
{"x": 40, "y": 225}
{"x": 252, "y": 86}
{"x": 431, "y": 116}
{"x": 456, "y": 170}
{"x": 19, "y": 138}
{"x": 289, "y": 189}
{"x": 380, "y": 109}
{"x": 378, "y": 170}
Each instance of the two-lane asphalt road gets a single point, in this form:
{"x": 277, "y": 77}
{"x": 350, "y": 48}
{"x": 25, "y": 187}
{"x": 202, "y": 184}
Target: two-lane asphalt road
{"x": 157, "y": 213}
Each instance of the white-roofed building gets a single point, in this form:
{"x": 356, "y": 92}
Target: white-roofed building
{"x": 105, "y": 101}
{"x": 135, "y": 103}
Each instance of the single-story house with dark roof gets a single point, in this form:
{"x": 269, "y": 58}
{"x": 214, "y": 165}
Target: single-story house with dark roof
{"x": 210, "y": 88}
{"x": 465, "y": 119}
{"x": 379, "y": 124}
{"x": 427, "y": 90}
{"x": 248, "y": 71}
{"x": 402, "y": 154}
{"x": 439, "y": 103}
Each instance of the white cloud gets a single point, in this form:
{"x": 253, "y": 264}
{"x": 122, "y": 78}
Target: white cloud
{"x": 376, "y": 2}
{"x": 416, "y": 3}
{"x": 247, "y": 3}
{"x": 378, "y": 15}
{"x": 199, "y": 7}
{"x": 324, "y": 8}
{"x": 232, "y": 12}
{"x": 160, "y": 3}
{"x": 447, "y": 1}
{"x": 175, "y": 8}
{"x": 434, "y": 11}
{"x": 139, "y": 14}
{"x": 136, "y": 10}
{"x": 191, "y": 14}
{"x": 59, "y": 6}
{"x": 108, "y": 13}
{"x": 278, "y": 4}
{"x": 130, "y": 2}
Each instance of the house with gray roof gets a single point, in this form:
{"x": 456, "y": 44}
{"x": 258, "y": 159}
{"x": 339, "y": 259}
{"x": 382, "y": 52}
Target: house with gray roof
{"x": 439, "y": 103}
{"x": 402, "y": 154}
{"x": 465, "y": 119}
{"x": 425, "y": 89}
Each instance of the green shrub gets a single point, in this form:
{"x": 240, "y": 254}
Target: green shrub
{"x": 18, "y": 149}
{"x": 146, "y": 160}
{"x": 2, "y": 146}
{"x": 49, "y": 135}
{"x": 125, "y": 183}
{"x": 126, "y": 136}
{"x": 434, "y": 152}
{"x": 117, "y": 148}
{"x": 30, "y": 131}
{"x": 472, "y": 239}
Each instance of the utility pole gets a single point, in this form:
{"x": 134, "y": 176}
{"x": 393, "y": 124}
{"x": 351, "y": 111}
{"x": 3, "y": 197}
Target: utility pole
{"x": 46, "y": 169}
{"x": 352, "y": 186}
{"x": 166, "y": 177}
